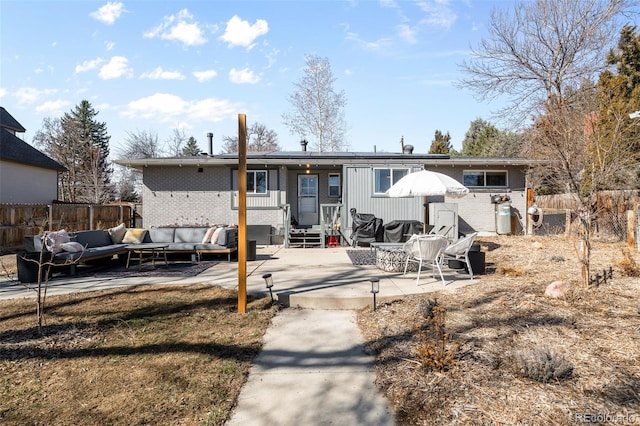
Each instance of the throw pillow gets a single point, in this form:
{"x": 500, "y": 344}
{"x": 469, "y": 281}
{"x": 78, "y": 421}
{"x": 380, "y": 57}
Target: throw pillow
{"x": 207, "y": 236}
{"x": 216, "y": 235}
{"x": 117, "y": 233}
{"x": 134, "y": 236}
{"x": 72, "y": 247}
{"x": 53, "y": 240}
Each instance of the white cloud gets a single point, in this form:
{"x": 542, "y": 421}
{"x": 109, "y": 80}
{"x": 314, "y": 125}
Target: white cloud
{"x": 109, "y": 45}
{"x": 88, "y": 65}
{"x": 31, "y": 95}
{"x": 203, "y": 76}
{"x": 243, "y": 76}
{"x": 406, "y": 33}
{"x": 179, "y": 27}
{"x": 116, "y": 68}
{"x": 438, "y": 13}
{"x": 3, "y": 92}
{"x": 241, "y": 33}
{"x": 53, "y": 107}
{"x": 160, "y": 74}
{"x": 108, "y": 13}
{"x": 169, "y": 108}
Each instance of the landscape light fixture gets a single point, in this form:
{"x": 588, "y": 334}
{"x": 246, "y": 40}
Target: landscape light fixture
{"x": 375, "y": 289}
{"x": 268, "y": 280}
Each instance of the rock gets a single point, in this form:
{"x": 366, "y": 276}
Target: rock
{"x": 557, "y": 289}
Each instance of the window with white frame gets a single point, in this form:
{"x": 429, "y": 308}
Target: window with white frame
{"x": 383, "y": 178}
{"x": 485, "y": 178}
{"x": 334, "y": 185}
{"x": 256, "y": 182}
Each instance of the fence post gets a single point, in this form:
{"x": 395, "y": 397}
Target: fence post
{"x": 567, "y": 223}
{"x": 631, "y": 228}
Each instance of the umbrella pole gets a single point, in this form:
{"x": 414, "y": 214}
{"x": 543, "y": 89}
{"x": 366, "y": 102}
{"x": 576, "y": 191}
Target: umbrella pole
{"x": 426, "y": 214}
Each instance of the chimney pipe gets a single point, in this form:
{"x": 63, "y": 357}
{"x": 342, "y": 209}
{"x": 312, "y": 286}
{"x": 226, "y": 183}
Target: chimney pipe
{"x": 303, "y": 144}
{"x": 210, "y": 136}
{"x": 408, "y": 149}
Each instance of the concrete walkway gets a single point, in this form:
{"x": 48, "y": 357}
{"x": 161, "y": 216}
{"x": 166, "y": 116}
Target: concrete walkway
{"x": 312, "y": 369}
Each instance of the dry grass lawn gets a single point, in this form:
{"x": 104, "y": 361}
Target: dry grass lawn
{"x": 148, "y": 355}
{"x": 512, "y": 355}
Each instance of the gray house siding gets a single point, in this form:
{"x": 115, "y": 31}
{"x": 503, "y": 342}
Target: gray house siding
{"x": 475, "y": 211}
{"x": 23, "y": 183}
{"x": 185, "y": 191}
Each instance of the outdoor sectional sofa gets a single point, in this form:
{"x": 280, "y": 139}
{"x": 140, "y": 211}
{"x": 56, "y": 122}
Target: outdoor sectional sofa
{"x": 100, "y": 244}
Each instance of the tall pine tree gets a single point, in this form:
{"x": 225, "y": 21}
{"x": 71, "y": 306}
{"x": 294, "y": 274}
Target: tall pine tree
{"x": 85, "y": 142}
{"x": 441, "y": 143}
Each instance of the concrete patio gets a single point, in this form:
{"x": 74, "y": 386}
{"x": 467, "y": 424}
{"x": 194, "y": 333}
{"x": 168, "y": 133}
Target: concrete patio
{"x": 312, "y": 278}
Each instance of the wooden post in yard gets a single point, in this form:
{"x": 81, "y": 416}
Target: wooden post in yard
{"x": 529, "y": 222}
{"x": 631, "y": 229}
{"x": 242, "y": 213}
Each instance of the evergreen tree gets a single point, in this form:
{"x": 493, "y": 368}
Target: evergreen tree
{"x": 81, "y": 144}
{"x": 191, "y": 149}
{"x": 441, "y": 144}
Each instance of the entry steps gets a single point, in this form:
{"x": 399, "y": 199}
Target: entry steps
{"x": 305, "y": 238}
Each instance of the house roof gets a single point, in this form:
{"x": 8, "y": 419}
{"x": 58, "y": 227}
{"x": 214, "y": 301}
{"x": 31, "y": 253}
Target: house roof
{"x": 295, "y": 159}
{"x": 12, "y": 148}
{"x": 8, "y": 122}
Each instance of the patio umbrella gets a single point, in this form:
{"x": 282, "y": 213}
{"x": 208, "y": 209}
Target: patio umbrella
{"x": 426, "y": 183}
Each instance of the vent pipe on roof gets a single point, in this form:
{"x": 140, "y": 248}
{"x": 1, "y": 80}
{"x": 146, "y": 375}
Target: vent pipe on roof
{"x": 303, "y": 144}
{"x": 408, "y": 149}
{"x": 210, "y": 136}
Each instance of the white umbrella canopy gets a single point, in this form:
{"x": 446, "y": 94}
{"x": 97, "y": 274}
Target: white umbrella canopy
{"x": 427, "y": 183}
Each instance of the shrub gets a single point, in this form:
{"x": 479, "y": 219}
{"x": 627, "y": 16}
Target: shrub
{"x": 543, "y": 365}
{"x": 432, "y": 351}
{"x": 628, "y": 266}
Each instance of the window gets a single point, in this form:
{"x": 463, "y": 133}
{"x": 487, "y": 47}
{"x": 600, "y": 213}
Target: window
{"x": 477, "y": 178}
{"x": 334, "y": 185}
{"x": 384, "y": 178}
{"x": 256, "y": 182}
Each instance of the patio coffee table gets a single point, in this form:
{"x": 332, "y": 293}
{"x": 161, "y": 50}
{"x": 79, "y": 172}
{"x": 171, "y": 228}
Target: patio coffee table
{"x": 155, "y": 250}
{"x": 390, "y": 257}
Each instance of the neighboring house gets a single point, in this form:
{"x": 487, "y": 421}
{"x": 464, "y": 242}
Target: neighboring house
{"x": 26, "y": 174}
{"x": 303, "y": 185}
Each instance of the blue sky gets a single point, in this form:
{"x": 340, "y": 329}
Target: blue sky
{"x": 195, "y": 65}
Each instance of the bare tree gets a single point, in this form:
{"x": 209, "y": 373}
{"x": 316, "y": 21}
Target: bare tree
{"x": 318, "y": 109}
{"x": 542, "y": 49}
{"x": 259, "y": 139}
{"x": 141, "y": 144}
{"x": 544, "y": 57}
{"x": 175, "y": 144}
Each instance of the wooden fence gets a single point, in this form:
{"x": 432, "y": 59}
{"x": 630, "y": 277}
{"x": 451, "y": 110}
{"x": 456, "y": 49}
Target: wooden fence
{"x": 20, "y": 220}
{"x": 613, "y": 216}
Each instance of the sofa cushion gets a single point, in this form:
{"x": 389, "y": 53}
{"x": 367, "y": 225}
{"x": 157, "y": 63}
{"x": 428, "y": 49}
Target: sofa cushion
{"x": 117, "y": 233}
{"x": 215, "y": 236}
{"x": 189, "y": 235}
{"x": 134, "y": 236}
{"x": 92, "y": 238}
{"x": 181, "y": 247}
{"x": 72, "y": 246}
{"x": 159, "y": 235}
{"x": 207, "y": 236}
{"x": 54, "y": 240}
{"x": 93, "y": 252}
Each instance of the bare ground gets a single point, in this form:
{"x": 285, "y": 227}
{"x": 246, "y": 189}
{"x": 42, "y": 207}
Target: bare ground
{"x": 512, "y": 355}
